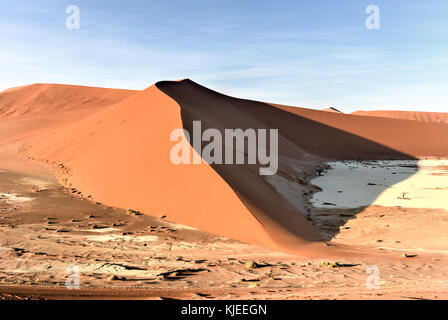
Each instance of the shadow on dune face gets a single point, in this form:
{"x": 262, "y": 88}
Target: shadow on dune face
{"x": 304, "y": 145}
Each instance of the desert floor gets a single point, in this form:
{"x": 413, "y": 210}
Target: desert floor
{"x": 45, "y": 228}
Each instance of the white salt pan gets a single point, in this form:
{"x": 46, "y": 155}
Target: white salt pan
{"x": 352, "y": 184}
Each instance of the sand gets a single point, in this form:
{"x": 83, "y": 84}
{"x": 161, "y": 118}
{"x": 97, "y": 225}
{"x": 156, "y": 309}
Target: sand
{"x": 44, "y": 99}
{"x": 82, "y": 156}
{"x": 112, "y": 155}
{"x": 151, "y": 259}
{"x": 135, "y": 172}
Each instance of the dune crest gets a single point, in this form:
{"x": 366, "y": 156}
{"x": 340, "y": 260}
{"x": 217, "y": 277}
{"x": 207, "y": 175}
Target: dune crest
{"x": 331, "y": 109}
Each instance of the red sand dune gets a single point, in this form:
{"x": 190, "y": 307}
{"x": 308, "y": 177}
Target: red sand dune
{"x": 118, "y": 152}
{"x": 433, "y": 117}
{"x": 121, "y": 157}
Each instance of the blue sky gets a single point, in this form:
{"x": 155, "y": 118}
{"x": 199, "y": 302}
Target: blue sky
{"x": 313, "y": 54}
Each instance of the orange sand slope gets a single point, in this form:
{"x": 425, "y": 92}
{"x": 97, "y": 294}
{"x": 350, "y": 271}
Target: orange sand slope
{"x": 40, "y": 99}
{"x": 434, "y": 117}
{"x": 118, "y": 152}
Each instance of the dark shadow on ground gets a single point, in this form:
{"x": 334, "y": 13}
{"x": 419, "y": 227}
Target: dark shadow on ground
{"x": 304, "y": 147}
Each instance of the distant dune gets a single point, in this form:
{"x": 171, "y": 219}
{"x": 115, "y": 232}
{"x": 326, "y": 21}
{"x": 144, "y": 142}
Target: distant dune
{"x": 408, "y": 137}
{"x": 331, "y": 109}
{"x": 114, "y": 145}
{"x": 433, "y": 117}
{"x": 42, "y": 99}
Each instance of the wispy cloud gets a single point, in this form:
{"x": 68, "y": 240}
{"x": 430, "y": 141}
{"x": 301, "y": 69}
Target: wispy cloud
{"x": 296, "y": 54}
